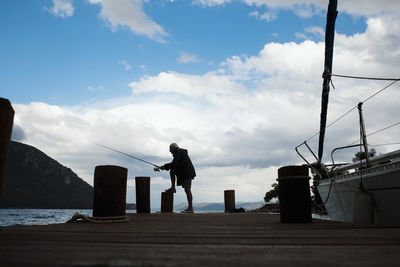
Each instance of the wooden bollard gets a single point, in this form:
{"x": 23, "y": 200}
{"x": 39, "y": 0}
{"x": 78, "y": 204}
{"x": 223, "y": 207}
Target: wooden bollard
{"x": 229, "y": 199}
{"x": 142, "y": 184}
{"x": 294, "y": 194}
{"x": 6, "y": 123}
{"x": 109, "y": 191}
{"x": 167, "y": 202}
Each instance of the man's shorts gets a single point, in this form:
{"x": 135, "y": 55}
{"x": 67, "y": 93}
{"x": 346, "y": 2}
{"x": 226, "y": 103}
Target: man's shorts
{"x": 187, "y": 183}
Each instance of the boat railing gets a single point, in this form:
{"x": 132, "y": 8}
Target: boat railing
{"x": 318, "y": 168}
{"x": 384, "y": 158}
{"x": 335, "y": 165}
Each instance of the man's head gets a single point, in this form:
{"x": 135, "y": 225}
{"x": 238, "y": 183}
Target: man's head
{"x": 173, "y": 147}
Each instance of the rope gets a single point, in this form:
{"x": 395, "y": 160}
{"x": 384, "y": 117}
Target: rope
{"x": 365, "y": 78}
{"x": 378, "y": 131}
{"x": 387, "y": 144}
{"x": 322, "y": 206}
{"x": 78, "y": 217}
{"x": 346, "y": 113}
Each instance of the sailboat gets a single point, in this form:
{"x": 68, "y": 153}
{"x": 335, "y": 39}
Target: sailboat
{"x": 365, "y": 191}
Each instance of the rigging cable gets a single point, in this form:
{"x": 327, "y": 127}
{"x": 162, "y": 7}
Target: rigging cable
{"x": 365, "y": 78}
{"x": 353, "y": 108}
{"x": 378, "y": 131}
{"x": 387, "y": 144}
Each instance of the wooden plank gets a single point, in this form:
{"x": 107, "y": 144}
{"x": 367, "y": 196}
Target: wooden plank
{"x": 216, "y": 239}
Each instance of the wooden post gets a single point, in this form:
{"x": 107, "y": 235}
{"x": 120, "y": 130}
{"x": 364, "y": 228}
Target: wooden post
{"x": 142, "y": 194}
{"x": 109, "y": 191}
{"x": 167, "y": 202}
{"x": 294, "y": 194}
{"x": 6, "y": 123}
{"x": 229, "y": 199}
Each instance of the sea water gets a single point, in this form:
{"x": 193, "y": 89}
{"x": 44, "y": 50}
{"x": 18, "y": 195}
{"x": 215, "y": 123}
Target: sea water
{"x": 10, "y": 217}
{"x": 37, "y": 216}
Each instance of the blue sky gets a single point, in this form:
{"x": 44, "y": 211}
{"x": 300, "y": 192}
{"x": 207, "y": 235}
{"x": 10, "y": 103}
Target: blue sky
{"x": 238, "y": 83}
{"x": 62, "y": 57}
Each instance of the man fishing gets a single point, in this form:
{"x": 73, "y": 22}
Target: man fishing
{"x": 181, "y": 167}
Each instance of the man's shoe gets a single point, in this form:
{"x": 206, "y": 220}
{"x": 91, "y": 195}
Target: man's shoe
{"x": 170, "y": 190}
{"x": 187, "y": 211}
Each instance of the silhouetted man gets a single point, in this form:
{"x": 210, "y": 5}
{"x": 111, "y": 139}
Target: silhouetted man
{"x": 181, "y": 167}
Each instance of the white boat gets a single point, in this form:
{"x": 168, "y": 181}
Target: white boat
{"x": 366, "y": 191}
{"x": 380, "y": 181}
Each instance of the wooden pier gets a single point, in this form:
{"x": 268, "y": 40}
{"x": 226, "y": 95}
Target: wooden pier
{"x": 208, "y": 239}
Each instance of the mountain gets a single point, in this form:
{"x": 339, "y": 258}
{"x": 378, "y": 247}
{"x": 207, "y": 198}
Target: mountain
{"x": 34, "y": 180}
{"x": 219, "y": 206}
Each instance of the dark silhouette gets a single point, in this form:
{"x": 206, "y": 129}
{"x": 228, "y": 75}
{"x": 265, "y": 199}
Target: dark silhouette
{"x": 182, "y": 168}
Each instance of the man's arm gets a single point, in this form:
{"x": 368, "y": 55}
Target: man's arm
{"x": 174, "y": 164}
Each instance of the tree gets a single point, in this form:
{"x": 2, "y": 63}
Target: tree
{"x": 273, "y": 193}
{"x": 361, "y": 155}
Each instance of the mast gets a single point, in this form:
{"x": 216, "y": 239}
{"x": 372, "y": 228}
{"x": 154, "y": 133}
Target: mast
{"x": 329, "y": 38}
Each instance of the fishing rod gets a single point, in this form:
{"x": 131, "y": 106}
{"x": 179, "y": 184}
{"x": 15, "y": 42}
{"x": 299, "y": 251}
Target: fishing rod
{"x": 157, "y": 168}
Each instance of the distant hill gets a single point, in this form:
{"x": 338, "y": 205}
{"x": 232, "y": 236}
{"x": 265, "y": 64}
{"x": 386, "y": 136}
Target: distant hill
{"x": 34, "y": 180}
{"x": 220, "y": 206}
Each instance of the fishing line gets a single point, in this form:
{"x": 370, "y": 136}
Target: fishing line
{"x": 123, "y": 153}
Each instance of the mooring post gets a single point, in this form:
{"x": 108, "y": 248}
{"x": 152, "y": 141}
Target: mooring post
{"x": 167, "y": 202}
{"x": 294, "y": 194}
{"x": 229, "y": 199}
{"x": 142, "y": 184}
{"x": 6, "y": 123}
{"x": 109, "y": 191}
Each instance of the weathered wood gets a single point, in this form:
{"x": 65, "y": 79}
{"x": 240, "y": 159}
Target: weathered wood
{"x": 6, "y": 124}
{"x": 294, "y": 194}
{"x": 216, "y": 239}
{"x": 109, "y": 197}
{"x": 229, "y": 200}
{"x": 167, "y": 202}
{"x": 142, "y": 184}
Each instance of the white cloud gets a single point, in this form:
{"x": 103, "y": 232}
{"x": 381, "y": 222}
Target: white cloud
{"x": 61, "y": 8}
{"x": 211, "y": 2}
{"x": 239, "y": 122}
{"x": 130, "y": 14}
{"x": 93, "y": 89}
{"x": 125, "y": 64}
{"x": 267, "y": 16}
{"x": 187, "y": 58}
{"x": 315, "y": 31}
{"x": 308, "y": 8}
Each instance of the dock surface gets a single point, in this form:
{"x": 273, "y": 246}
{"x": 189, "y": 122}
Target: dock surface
{"x": 204, "y": 239}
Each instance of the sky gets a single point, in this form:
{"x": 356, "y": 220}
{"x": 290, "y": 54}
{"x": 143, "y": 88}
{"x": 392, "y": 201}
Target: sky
{"x": 236, "y": 82}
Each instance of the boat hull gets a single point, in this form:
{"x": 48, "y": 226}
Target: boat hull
{"x": 381, "y": 182}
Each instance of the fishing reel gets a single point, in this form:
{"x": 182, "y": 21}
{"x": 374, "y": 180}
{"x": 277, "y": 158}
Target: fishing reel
{"x": 156, "y": 169}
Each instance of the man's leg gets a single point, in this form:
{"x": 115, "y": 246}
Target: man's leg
{"x": 172, "y": 175}
{"x": 189, "y": 197}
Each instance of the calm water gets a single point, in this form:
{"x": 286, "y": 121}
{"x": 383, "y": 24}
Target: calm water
{"x": 37, "y": 216}
{"x": 50, "y": 216}
{"x": 43, "y": 216}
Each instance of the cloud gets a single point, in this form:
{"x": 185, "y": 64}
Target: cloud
{"x": 126, "y": 65}
{"x": 130, "y": 14}
{"x": 308, "y": 8}
{"x": 211, "y": 2}
{"x": 61, "y": 8}
{"x": 316, "y": 32}
{"x": 240, "y": 122}
{"x": 17, "y": 134}
{"x": 187, "y": 58}
{"x": 94, "y": 89}
{"x": 267, "y": 16}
